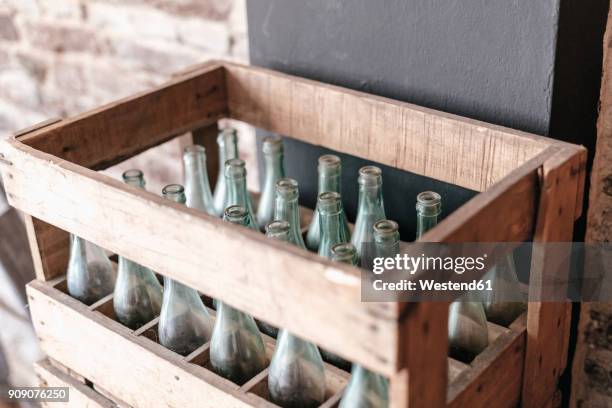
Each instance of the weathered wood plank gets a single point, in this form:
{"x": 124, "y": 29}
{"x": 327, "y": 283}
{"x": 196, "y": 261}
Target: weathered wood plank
{"x": 271, "y": 280}
{"x": 119, "y": 130}
{"x": 49, "y": 246}
{"x": 446, "y": 147}
{"x": 548, "y": 322}
{"x": 494, "y": 378}
{"x": 81, "y": 396}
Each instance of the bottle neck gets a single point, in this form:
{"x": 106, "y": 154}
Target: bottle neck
{"x": 370, "y": 200}
{"x": 287, "y": 209}
{"x": 228, "y": 149}
{"x": 329, "y": 180}
{"x": 331, "y": 227}
{"x": 237, "y": 190}
{"x": 425, "y": 223}
{"x": 273, "y": 163}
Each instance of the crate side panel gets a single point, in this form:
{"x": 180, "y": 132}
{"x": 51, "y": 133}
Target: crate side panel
{"x": 446, "y": 147}
{"x": 87, "y": 343}
{"x": 115, "y": 132}
{"x": 271, "y": 280}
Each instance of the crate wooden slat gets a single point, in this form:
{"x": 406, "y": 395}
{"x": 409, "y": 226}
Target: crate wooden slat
{"x": 530, "y": 187}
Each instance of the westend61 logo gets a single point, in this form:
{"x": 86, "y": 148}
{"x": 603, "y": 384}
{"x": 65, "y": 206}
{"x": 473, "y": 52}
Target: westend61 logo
{"x": 412, "y": 264}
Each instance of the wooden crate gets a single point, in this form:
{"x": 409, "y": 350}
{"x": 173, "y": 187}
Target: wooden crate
{"x": 531, "y": 189}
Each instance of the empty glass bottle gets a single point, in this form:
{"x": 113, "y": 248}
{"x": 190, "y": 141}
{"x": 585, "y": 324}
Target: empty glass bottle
{"x": 184, "y": 322}
{"x": 90, "y": 275}
{"x": 330, "y": 220}
{"x": 332, "y": 233}
{"x": 235, "y": 174}
{"x": 505, "y": 302}
{"x": 330, "y": 176}
{"x": 386, "y": 238}
{"x": 287, "y": 209}
{"x": 138, "y": 295}
{"x": 197, "y": 187}
{"x": 237, "y": 351}
{"x": 228, "y": 149}
{"x": 467, "y": 323}
{"x": 274, "y": 169}
{"x": 365, "y": 388}
{"x": 296, "y": 377}
{"x": 370, "y": 208}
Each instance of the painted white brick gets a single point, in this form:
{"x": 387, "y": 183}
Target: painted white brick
{"x": 61, "y": 9}
{"x": 211, "y": 36}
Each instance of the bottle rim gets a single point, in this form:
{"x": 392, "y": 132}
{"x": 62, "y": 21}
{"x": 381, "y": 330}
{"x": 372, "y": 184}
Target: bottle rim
{"x": 194, "y": 150}
{"x": 272, "y": 144}
{"x": 343, "y": 251}
{"x": 277, "y": 227}
{"x": 235, "y": 168}
{"x": 370, "y": 176}
{"x": 132, "y": 175}
{"x": 329, "y": 162}
{"x": 235, "y": 213}
{"x": 174, "y": 192}
{"x": 329, "y": 202}
{"x": 386, "y": 228}
{"x": 227, "y": 133}
{"x": 287, "y": 186}
{"x": 429, "y": 203}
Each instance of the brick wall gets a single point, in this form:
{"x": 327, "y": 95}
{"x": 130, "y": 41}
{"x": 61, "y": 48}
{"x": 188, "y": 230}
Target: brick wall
{"x": 61, "y": 57}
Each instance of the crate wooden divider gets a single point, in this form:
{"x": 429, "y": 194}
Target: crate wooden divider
{"x": 531, "y": 188}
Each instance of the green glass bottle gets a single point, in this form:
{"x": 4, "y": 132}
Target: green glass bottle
{"x": 90, "y": 275}
{"x": 184, "y": 322}
{"x": 197, "y": 187}
{"x": 330, "y": 177}
{"x": 235, "y": 174}
{"x": 330, "y": 220}
{"x": 370, "y": 208}
{"x": 467, "y": 323}
{"x": 332, "y": 233}
{"x": 505, "y": 302}
{"x": 296, "y": 376}
{"x": 237, "y": 351}
{"x": 137, "y": 297}
{"x": 228, "y": 149}
{"x": 287, "y": 209}
{"x": 386, "y": 238}
{"x": 274, "y": 169}
{"x": 365, "y": 388}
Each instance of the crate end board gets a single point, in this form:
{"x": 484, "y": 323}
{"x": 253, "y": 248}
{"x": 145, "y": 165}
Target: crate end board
{"x": 431, "y": 143}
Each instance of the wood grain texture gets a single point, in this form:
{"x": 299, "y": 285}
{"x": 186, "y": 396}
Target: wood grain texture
{"x": 548, "y": 323}
{"x": 271, "y": 280}
{"x": 81, "y": 396}
{"x": 435, "y": 144}
{"x": 494, "y": 379}
{"x": 122, "y": 129}
{"x": 49, "y": 246}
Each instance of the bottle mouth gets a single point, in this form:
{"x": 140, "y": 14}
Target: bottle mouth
{"x": 287, "y": 187}
{"x": 329, "y": 202}
{"x": 174, "y": 192}
{"x": 386, "y": 228}
{"x": 194, "y": 150}
{"x": 370, "y": 176}
{"x": 344, "y": 252}
{"x": 429, "y": 203}
{"x": 277, "y": 228}
{"x": 272, "y": 144}
{"x": 329, "y": 162}
{"x": 236, "y": 214}
{"x": 235, "y": 168}
{"x": 134, "y": 177}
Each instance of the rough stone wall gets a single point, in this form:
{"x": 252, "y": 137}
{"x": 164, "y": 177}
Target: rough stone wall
{"x": 61, "y": 57}
{"x": 592, "y": 369}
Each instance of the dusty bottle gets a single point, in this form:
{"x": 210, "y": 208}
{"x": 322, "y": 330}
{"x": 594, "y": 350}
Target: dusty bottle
{"x": 274, "y": 169}
{"x": 365, "y": 388}
{"x": 296, "y": 376}
{"x": 90, "y": 275}
{"x": 228, "y": 149}
{"x": 330, "y": 220}
{"x": 235, "y": 175}
{"x": 330, "y": 177}
{"x": 138, "y": 295}
{"x": 386, "y": 238}
{"x": 332, "y": 233}
{"x": 237, "y": 351}
{"x": 197, "y": 187}
{"x": 184, "y": 322}
{"x": 467, "y": 323}
{"x": 505, "y": 302}
{"x": 287, "y": 209}
{"x": 370, "y": 207}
